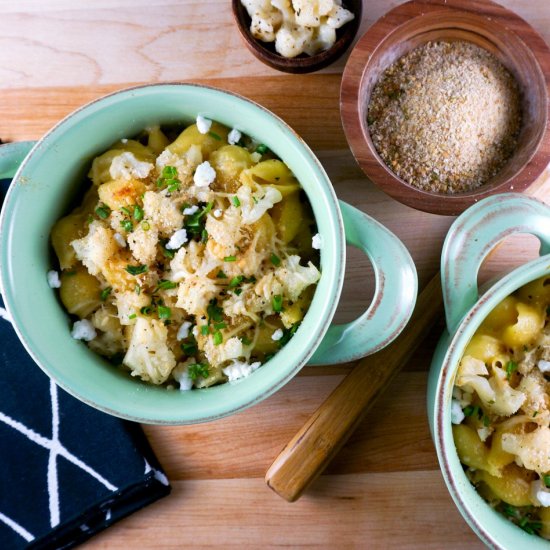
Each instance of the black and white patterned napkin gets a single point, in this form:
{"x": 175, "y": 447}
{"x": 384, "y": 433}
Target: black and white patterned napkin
{"x": 67, "y": 470}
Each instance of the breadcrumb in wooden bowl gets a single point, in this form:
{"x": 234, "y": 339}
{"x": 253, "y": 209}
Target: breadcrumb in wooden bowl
{"x": 445, "y": 102}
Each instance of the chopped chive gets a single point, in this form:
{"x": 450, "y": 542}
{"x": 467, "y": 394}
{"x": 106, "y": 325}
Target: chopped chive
{"x": 136, "y": 269}
{"x": 145, "y": 225}
{"x": 105, "y": 293}
{"x": 215, "y": 136}
{"x": 236, "y": 281}
{"x": 204, "y": 236}
{"x": 126, "y": 211}
{"x": 70, "y": 273}
{"x": 255, "y": 199}
{"x": 103, "y": 211}
{"x": 262, "y": 149}
{"x": 164, "y": 312}
{"x": 236, "y": 201}
{"x": 246, "y": 341}
{"x": 90, "y": 219}
{"x": 230, "y": 259}
{"x": 215, "y": 312}
{"x": 277, "y": 303}
{"x": 238, "y": 291}
{"x": 137, "y": 290}
{"x": 219, "y": 326}
{"x": 511, "y": 367}
{"x": 165, "y": 285}
{"x": 169, "y": 172}
{"x": 189, "y": 348}
{"x": 535, "y": 414}
{"x": 546, "y": 479}
{"x": 221, "y": 275}
{"x": 138, "y": 213}
{"x": 133, "y": 316}
{"x": 288, "y": 333}
{"x": 486, "y": 421}
{"x": 218, "y": 338}
{"x": 146, "y": 310}
{"x": 127, "y": 225}
{"x": 275, "y": 260}
{"x": 470, "y": 410}
{"x": 196, "y": 370}
{"x": 205, "y": 329}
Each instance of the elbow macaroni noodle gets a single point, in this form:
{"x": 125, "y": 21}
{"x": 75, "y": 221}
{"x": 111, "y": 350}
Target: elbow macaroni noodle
{"x": 192, "y": 259}
{"x": 501, "y": 408}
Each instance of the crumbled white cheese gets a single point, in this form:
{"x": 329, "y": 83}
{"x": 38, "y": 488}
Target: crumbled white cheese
{"x": 190, "y": 210}
{"x": 124, "y": 140}
{"x": 203, "y": 124}
{"x": 217, "y": 213}
{"x": 540, "y": 494}
{"x": 183, "y": 331}
{"x": 316, "y": 241}
{"x": 177, "y": 240}
{"x": 127, "y": 166}
{"x": 53, "y": 279}
{"x": 240, "y": 369}
{"x": 181, "y": 374}
{"x": 120, "y": 240}
{"x": 234, "y": 137}
{"x": 277, "y": 335}
{"x": 256, "y": 157}
{"x": 544, "y": 366}
{"x": 204, "y": 174}
{"x": 83, "y": 330}
{"x": 457, "y": 416}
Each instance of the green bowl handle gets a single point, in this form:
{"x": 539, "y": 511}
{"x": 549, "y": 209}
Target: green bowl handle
{"x": 394, "y": 297}
{"x": 12, "y": 155}
{"x": 474, "y": 234}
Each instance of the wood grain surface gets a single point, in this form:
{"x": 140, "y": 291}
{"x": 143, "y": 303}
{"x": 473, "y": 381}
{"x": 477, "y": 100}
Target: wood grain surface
{"x": 384, "y": 488}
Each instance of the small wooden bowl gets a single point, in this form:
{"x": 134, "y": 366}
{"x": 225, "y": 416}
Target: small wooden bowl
{"x": 487, "y": 24}
{"x": 303, "y": 63}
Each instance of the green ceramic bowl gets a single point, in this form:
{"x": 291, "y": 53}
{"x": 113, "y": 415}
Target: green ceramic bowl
{"x": 52, "y": 175}
{"x": 470, "y": 239}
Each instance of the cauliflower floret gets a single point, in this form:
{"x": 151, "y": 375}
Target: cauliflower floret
{"x": 240, "y": 369}
{"x": 193, "y": 259}
{"x": 264, "y": 25}
{"x": 470, "y": 377}
{"x": 296, "y": 278}
{"x": 162, "y": 213}
{"x": 143, "y": 244}
{"x": 247, "y": 304}
{"x": 533, "y": 386}
{"x": 216, "y": 355}
{"x": 339, "y": 16}
{"x": 194, "y": 294}
{"x": 255, "y": 205}
{"x": 324, "y": 38}
{"x": 531, "y": 449}
{"x": 309, "y": 12}
{"x": 291, "y": 40}
{"x": 224, "y": 234}
{"x": 507, "y": 400}
{"x": 148, "y": 355}
{"x": 127, "y": 166}
{"x": 268, "y": 286}
{"x": 95, "y": 249}
{"x": 129, "y": 303}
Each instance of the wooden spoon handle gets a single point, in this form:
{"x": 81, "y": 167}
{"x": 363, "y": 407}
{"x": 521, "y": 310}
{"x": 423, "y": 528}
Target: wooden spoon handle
{"x": 314, "y": 446}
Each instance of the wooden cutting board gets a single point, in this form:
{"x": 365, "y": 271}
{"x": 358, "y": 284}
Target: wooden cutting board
{"x": 384, "y": 489}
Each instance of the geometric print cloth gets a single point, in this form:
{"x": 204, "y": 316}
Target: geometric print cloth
{"x": 67, "y": 471}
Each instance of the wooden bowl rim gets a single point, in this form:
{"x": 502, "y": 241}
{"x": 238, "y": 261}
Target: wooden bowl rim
{"x": 305, "y": 64}
{"x": 374, "y": 167}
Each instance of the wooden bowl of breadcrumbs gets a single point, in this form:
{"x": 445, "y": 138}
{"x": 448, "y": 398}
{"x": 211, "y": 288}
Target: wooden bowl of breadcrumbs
{"x": 445, "y": 102}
